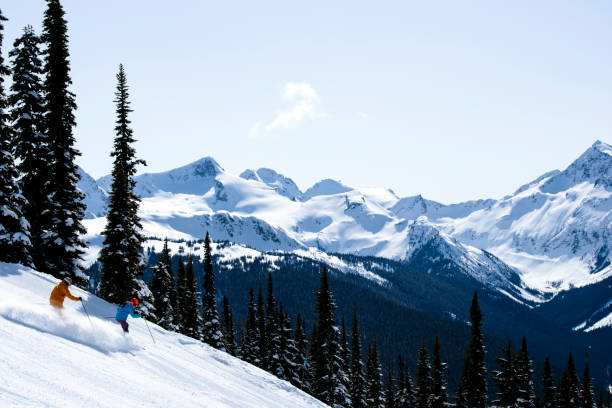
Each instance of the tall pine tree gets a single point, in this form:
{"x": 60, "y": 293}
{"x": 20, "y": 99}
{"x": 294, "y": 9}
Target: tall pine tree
{"x": 423, "y": 381}
{"x": 301, "y": 356}
{"x": 549, "y": 398}
{"x": 164, "y": 290}
{"x": 473, "y": 387}
{"x": 249, "y": 349}
{"x": 357, "y": 380}
{"x": 405, "y": 390}
{"x": 15, "y": 245}
{"x": 390, "y": 390}
{"x": 211, "y": 330}
{"x": 374, "y": 388}
{"x": 228, "y": 328}
{"x": 327, "y": 367}
{"x": 62, "y": 248}
{"x": 438, "y": 378}
{"x": 190, "y": 323}
{"x": 121, "y": 255}
{"x": 506, "y": 379}
{"x": 31, "y": 150}
{"x": 587, "y": 393}
{"x": 568, "y": 395}
{"x": 273, "y": 361}
{"x": 525, "y": 388}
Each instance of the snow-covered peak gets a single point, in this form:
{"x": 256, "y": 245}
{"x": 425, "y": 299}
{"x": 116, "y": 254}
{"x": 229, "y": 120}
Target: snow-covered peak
{"x": 593, "y": 166}
{"x": 281, "y": 184}
{"x": 325, "y": 187}
{"x": 96, "y": 199}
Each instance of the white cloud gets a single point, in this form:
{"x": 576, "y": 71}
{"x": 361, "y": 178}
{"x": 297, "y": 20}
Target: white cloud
{"x": 304, "y": 102}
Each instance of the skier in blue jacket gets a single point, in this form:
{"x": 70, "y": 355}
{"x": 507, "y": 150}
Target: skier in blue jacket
{"x": 126, "y": 308}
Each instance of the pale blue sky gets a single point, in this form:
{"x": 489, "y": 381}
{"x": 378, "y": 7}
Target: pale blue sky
{"x": 452, "y": 100}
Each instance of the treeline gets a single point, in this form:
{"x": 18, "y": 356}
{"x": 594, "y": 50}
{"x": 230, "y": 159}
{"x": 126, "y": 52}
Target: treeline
{"x": 327, "y": 361}
{"x": 42, "y": 209}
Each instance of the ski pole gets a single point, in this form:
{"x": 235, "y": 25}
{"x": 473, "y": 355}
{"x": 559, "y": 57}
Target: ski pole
{"x": 145, "y": 320}
{"x": 83, "y": 304}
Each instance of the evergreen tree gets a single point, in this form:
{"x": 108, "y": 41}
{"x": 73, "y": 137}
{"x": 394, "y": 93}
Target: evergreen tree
{"x": 327, "y": 383}
{"x": 587, "y": 393}
{"x": 164, "y": 290}
{"x": 423, "y": 382}
{"x": 181, "y": 289}
{"x": 301, "y": 356}
{"x": 525, "y": 389}
{"x": 473, "y": 381}
{"x": 121, "y": 254}
{"x": 405, "y": 393}
{"x": 390, "y": 391}
{"x": 15, "y": 245}
{"x": 344, "y": 356}
{"x": 62, "y": 248}
{"x": 568, "y": 395}
{"x": 228, "y": 328}
{"x": 262, "y": 342}
{"x": 506, "y": 379}
{"x": 438, "y": 378}
{"x": 249, "y": 350}
{"x": 273, "y": 361}
{"x": 211, "y": 330}
{"x": 190, "y": 320}
{"x": 549, "y": 399}
{"x": 291, "y": 370}
{"x": 357, "y": 380}
{"x": 374, "y": 391}
{"x": 608, "y": 402}
{"x": 30, "y": 143}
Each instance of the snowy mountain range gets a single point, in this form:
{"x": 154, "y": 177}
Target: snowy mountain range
{"x": 551, "y": 235}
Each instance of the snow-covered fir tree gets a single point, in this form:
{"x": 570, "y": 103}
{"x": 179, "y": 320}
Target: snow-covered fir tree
{"x": 327, "y": 370}
{"x": 549, "y": 398}
{"x": 190, "y": 323}
{"x": 390, "y": 389}
{"x": 121, "y": 254}
{"x": 164, "y": 290}
{"x": 31, "y": 149}
{"x": 273, "y": 362}
{"x": 262, "y": 342}
{"x": 586, "y": 392}
{"x": 229, "y": 336}
{"x": 473, "y": 387}
{"x": 181, "y": 288}
{"x": 374, "y": 388}
{"x": 568, "y": 395}
{"x": 506, "y": 379}
{"x": 211, "y": 329}
{"x": 288, "y": 349}
{"x": 62, "y": 247}
{"x": 15, "y": 242}
{"x": 301, "y": 356}
{"x": 524, "y": 381}
{"x": 356, "y": 374}
{"x": 249, "y": 349}
{"x": 423, "y": 380}
{"x": 438, "y": 378}
{"x": 404, "y": 397}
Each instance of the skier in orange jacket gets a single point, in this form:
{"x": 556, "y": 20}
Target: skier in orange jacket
{"x": 60, "y": 292}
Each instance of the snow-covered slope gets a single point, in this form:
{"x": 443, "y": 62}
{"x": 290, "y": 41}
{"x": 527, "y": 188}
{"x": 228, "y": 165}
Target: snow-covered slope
{"x": 553, "y": 233}
{"x": 57, "y": 360}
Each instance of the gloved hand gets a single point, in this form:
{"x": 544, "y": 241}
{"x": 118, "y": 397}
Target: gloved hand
{"x": 80, "y": 298}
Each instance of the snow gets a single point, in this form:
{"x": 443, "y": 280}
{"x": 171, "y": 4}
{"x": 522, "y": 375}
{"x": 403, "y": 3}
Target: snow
{"x": 549, "y": 230}
{"x": 55, "y": 360}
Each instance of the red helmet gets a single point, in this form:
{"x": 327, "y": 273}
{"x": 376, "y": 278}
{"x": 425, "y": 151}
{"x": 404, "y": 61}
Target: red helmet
{"x": 134, "y": 302}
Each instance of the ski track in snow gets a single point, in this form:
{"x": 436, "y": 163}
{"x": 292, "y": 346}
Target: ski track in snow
{"x": 48, "y": 360}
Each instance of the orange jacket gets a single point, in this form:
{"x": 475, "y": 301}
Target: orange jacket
{"x": 59, "y": 293}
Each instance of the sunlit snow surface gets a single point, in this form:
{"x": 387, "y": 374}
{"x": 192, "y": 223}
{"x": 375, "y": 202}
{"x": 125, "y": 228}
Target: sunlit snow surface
{"x": 49, "y": 359}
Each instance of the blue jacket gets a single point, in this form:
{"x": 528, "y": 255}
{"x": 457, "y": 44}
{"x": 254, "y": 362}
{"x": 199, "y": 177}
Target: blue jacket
{"x": 124, "y": 311}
